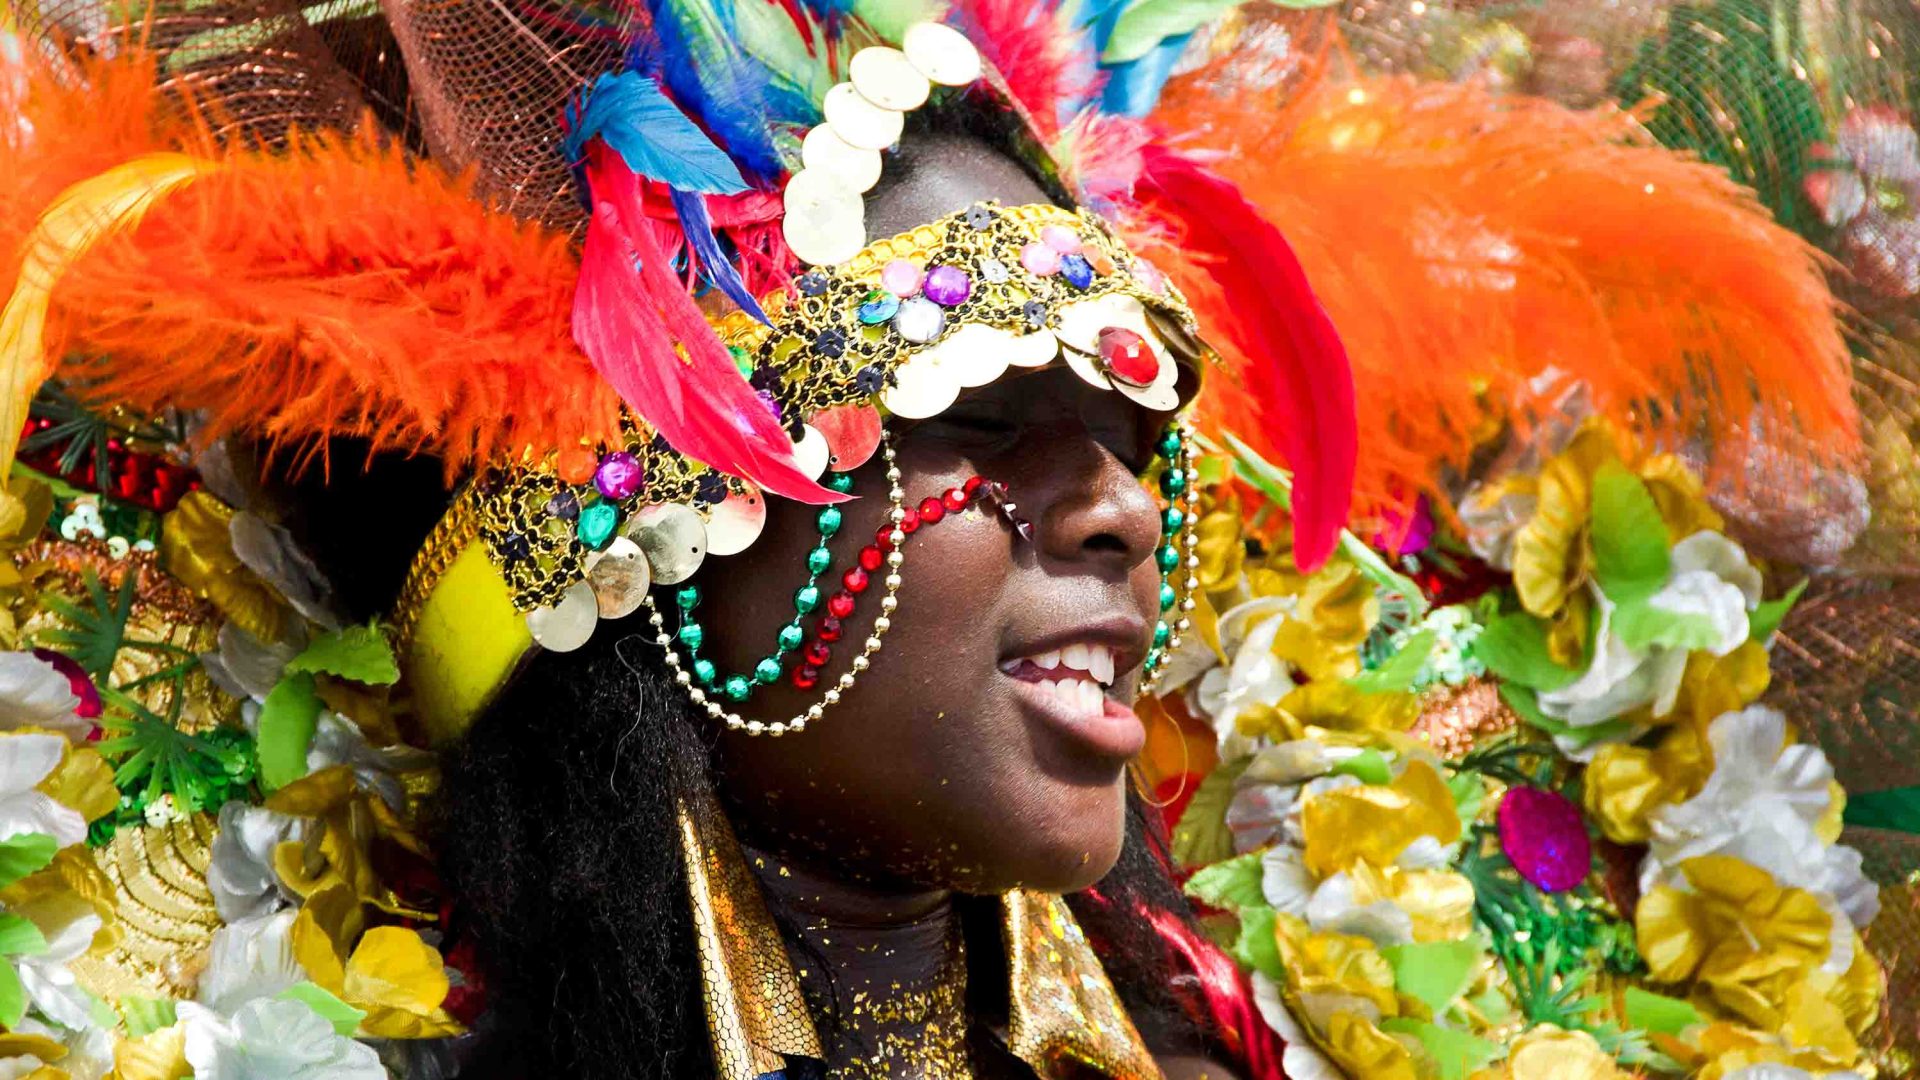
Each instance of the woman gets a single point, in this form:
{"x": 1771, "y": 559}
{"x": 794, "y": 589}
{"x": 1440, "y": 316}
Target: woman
{"x": 779, "y": 712}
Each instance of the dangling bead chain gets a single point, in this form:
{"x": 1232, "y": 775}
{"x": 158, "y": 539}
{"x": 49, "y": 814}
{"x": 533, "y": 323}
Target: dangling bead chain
{"x": 1178, "y": 556}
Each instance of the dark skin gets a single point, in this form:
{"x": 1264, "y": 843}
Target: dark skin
{"x": 938, "y": 773}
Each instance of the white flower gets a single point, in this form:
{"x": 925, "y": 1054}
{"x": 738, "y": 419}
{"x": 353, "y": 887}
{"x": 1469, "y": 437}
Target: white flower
{"x": 1253, "y": 676}
{"x": 338, "y": 741}
{"x": 69, "y": 924}
{"x": 34, "y": 693}
{"x": 25, "y": 760}
{"x": 1334, "y": 909}
{"x": 241, "y": 876}
{"x": 246, "y": 667}
{"x": 1300, "y": 1061}
{"x": 273, "y": 1040}
{"x": 249, "y": 960}
{"x": 89, "y": 1053}
{"x": 1787, "y": 1072}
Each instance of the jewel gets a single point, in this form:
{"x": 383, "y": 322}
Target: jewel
{"x": 828, "y": 520}
{"x": 887, "y": 78}
{"x": 1542, "y": 834}
{"x": 575, "y": 465}
{"x": 941, "y": 53}
{"x": 1172, "y": 482}
{"x": 768, "y": 671}
{"x": 838, "y": 481}
{"x": 709, "y": 488}
{"x": 806, "y": 678}
{"x": 1167, "y": 597}
{"x": 972, "y": 485}
{"x": 1127, "y": 356}
{"x": 619, "y": 475}
{"x": 565, "y": 506}
{"x": 513, "y": 546}
{"x": 812, "y": 283}
{"x": 824, "y": 151}
{"x": 1168, "y": 558}
{"x": 825, "y": 222}
{"x": 862, "y": 123}
{"x": 817, "y": 654}
{"x": 852, "y": 433}
{"x": 994, "y": 271}
{"x": 692, "y": 635}
{"x": 595, "y": 526}
{"x": 688, "y": 597}
{"x": 828, "y": 629}
{"x": 855, "y": 580}
{"x": 738, "y": 689}
{"x": 619, "y": 578}
{"x": 911, "y": 522}
{"x": 919, "y": 320}
{"x": 1036, "y": 314}
{"x": 955, "y": 500}
{"x": 883, "y": 538}
{"x": 567, "y": 625}
{"x": 871, "y": 558}
{"x": 1171, "y": 519}
{"x": 705, "y": 671}
{"x": 1101, "y": 262}
{"x": 931, "y": 510}
{"x": 818, "y": 560}
{"x": 1161, "y": 634}
{"x": 791, "y": 636}
{"x": 840, "y": 604}
{"x": 1077, "y": 270}
{"x": 948, "y": 286}
{"x": 1040, "y": 260}
{"x": 901, "y": 277}
{"x": 1061, "y": 239}
{"x": 878, "y": 307}
{"x": 806, "y": 598}
{"x": 735, "y": 522}
{"x": 674, "y": 538}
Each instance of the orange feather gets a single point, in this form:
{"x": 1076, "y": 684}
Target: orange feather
{"x": 1477, "y": 250}
{"x": 334, "y": 287}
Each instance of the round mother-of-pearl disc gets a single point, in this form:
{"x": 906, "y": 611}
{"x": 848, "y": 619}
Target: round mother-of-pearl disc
{"x": 619, "y": 577}
{"x": 734, "y": 523}
{"x": 852, "y": 433}
{"x": 674, "y": 538}
{"x": 887, "y": 78}
{"x": 861, "y": 122}
{"x": 825, "y": 222}
{"x": 811, "y": 451}
{"x": 941, "y": 53}
{"x": 566, "y": 625}
{"x": 824, "y": 152}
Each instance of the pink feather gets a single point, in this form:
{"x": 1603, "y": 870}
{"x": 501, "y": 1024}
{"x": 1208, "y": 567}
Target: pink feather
{"x": 1279, "y": 341}
{"x": 1040, "y": 58}
{"x": 633, "y": 318}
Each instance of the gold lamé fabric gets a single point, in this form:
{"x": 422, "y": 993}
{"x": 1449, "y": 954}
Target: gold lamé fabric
{"x": 1064, "y": 1012}
{"x": 165, "y": 911}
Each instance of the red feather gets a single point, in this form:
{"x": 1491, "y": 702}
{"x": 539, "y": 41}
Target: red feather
{"x": 1246, "y": 284}
{"x": 633, "y": 317}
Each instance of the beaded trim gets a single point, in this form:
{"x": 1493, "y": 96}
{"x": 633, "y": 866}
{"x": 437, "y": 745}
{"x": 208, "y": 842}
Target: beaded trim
{"x": 1180, "y": 483}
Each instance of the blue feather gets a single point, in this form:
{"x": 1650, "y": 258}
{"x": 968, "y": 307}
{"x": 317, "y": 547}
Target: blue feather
{"x": 698, "y": 227}
{"x": 738, "y": 99}
{"x": 631, "y": 114}
{"x": 1133, "y": 88}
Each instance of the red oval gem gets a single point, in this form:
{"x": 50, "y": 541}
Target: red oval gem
{"x": 806, "y": 677}
{"x": 870, "y": 558}
{"x": 1127, "y": 356}
{"x": 883, "y": 538}
{"x": 829, "y": 629}
{"x": 931, "y": 511}
{"x": 955, "y": 500}
{"x": 973, "y": 484}
{"x": 911, "y": 522}
{"x": 855, "y": 580}
{"x": 840, "y": 604}
{"x": 817, "y": 654}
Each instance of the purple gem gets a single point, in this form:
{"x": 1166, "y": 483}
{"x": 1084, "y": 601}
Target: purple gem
{"x": 565, "y": 505}
{"x": 619, "y": 475}
{"x": 1544, "y": 838}
{"x": 947, "y": 286}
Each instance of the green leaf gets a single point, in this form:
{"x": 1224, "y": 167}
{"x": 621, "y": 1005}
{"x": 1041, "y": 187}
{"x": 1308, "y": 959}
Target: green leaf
{"x": 1469, "y": 795}
{"x": 1658, "y": 1013}
{"x": 287, "y": 721}
{"x": 26, "y": 853}
{"x": 1631, "y": 557}
{"x": 1766, "y": 618}
{"x": 1522, "y": 701}
{"x": 20, "y": 937}
{"x": 1641, "y": 625}
{"x": 1201, "y": 837}
{"x": 13, "y": 997}
{"x": 1368, "y": 766}
{"x": 1895, "y": 809}
{"x": 1434, "y": 972}
{"x": 144, "y": 1016}
{"x": 1256, "y": 947}
{"x": 1233, "y": 884}
{"x": 359, "y": 654}
{"x": 1146, "y": 23}
{"x": 1514, "y": 647}
{"x": 344, "y": 1017}
{"x": 1456, "y": 1054}
{"x": 1399, "y": 674}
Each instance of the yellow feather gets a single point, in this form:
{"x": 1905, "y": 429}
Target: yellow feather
{"x": 81, "y": 217}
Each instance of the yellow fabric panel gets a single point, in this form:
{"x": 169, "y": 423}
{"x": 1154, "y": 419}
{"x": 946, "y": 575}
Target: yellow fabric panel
{"x": 467, "y": 641}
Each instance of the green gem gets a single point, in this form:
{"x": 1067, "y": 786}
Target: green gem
{"x": 738, "y": 688}
{"x": 1170, "y": 444}
{"x": 595, "y": 525}
{"x": 767, "y": 671}
{"x": 806, "y": 599}
{"x": 691, "y": 635}
{"x": 1153, "y": 659}
{"x": 705, "y": 672}
{"x": 688, "y": 597}
{"x": 1167, "y": 597}
{"x": 818, "y": 560}
{"x": 1161, "y": 634}
{"x": 1173, "y": 482}
{"x": 840, "y": 482}
{"x": 1171, "y": 519}
{"x": 829, "y": 521}
{"x": 1168, "y": 557}
{"x": 791, "y": 636}
{"x": 740, "y": 359}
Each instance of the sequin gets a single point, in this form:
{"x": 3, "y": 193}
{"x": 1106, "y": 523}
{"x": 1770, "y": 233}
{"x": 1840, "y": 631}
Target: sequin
{"x": 812, "y": 283}
{"x": 862, "y": 123}
{"x": 941, "y": 53}
{"x": 735, "y": 522}
{"x": 994, "y": 271}
{"x": 827, "y": 152}
{"x": 619, "y": 578}
{"x": 878, "y": 307}
{"x": 567, "y": 625}
{"x": 810, "y": 451}
{"x": 674, "y": 539}
{"x": 852, "y": 433}
{"x": 885, "y": 76}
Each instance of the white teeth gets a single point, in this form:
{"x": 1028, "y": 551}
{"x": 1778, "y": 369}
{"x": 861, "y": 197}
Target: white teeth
{"x": 1102, "y": 665}
{"x": 1048, "y": 660}
{"x": 1075, "y": 657}
{"x": 1075, "y": 695}
{"x": 1091, "y": 699}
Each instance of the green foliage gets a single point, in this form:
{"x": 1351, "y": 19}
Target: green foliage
{"x": 1514, "y": 647}
{"x": 1455, "y": 1054}
{"x": 1643, "y": 626}
{"x": 20, "y": 937}
{"x": 344, "y": 1017}
{"x": 358, "y": 653}
{"x": 1369, "y": 766}
{"x": 288, "y": 719}
{"x": 1256, "y": 947}
{"x": 23, "y": 854}
{"x": 1233, "y": 884}
{"x": 1201, "y": 837}
{"x": 153, "y": 757}
{"x": 1723, "y": 73}
{"x": 1435, "y": 972}
{"x": 1658, "y": 1013}
{"x": 144, "y": 1016}
{"x": 1401, "y": 671}
{"x": 1631, "y": 555}
{"x": 13, "y": 997}
{"x": 1766, "y": 618}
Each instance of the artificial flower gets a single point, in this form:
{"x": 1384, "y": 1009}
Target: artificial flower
{"x": 157, "y": 1055}
{"x": 241, "y": 875}
{"x": 1552, "y": 551}
{"x": 196, "y": 546}
{"x": 249, "y": 959}
{"x": 1546, "y": 1052}
{"x": 1871, "y": 195}
{"x": 1377, "y": 822}
{"x": 27, "y": 760}
{"x": 36, "y": 694}
{"x": 1335, "y": 973}
{"x": 1301, "y": 1060}
{"x": 1268, "y": 794}
{"x": 1624, "y": 784}
{"x": 1253, "y": 676}
{"x": 273, "y": 1039}
{"x": 70, "y": 904}
{"x": 392, "y": 975}
{"x": 1726, "y": 1051}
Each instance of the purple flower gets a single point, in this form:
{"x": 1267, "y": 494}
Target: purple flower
{"x": 1545, "y": 838}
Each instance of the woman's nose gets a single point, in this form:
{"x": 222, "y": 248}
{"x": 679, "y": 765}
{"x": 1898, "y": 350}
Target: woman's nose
{"x": 1093, "y": 510}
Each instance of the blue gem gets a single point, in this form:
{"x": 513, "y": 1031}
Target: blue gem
{"x": 596, "y": 523}
{"x": 1077, "y": 270}
{"x": 565, "y": 506}
{"x": 979, "y": 217}
{"x": 879, "y": 307}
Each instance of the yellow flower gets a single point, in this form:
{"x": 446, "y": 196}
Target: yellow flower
{"x": 1361, "y": 1049}
{"x": 1548, "y": 1053}
{"x": 397, "y": 979}
{"x": 157, "y": 1055}
{"x": 1745, "y": 939}
{"x": 197, "y": 549}
{"x": 1335, "y": 705}
{"x": 1327, "y": 967}
{"x": 1439, "y": 902}
{"x": 1681, "y": 498}
{"x": 1721, "y": 1050}
{"x": 1716, "y": 685}
{"x": 1552, "y": 553}
{"x": 1625, "y": 784}
{"x": 83, "y": 782}
{"x": 1377, "y": 822}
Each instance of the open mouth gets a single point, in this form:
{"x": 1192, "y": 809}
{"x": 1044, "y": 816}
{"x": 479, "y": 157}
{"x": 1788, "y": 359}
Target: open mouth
{"x": 1071, "y": 687}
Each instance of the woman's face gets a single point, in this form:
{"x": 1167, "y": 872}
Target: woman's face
{"x": 950, "y": 764}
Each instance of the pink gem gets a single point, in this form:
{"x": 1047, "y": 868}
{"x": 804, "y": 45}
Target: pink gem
{"x": 1040, "y": 260}
{"x": 1060, "y": 239}
{"x": 1543, "y": 836}
{"x": 901, "y": 278}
